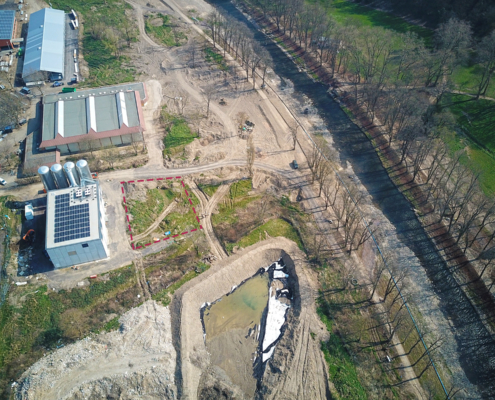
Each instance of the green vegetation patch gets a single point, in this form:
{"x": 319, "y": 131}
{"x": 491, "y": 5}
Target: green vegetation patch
{"x": 183, "y": 217}
{"x": 164, "y": 296}
{"x": 165, "y": 31}
{"x": 107, "y": 31}
{"x": 209, "y": 189}
{"x": 47, "y": 319}
{"x": 349, "y": 12}
{"x": 178, "y": 134}
{"x": 274, "y": 228}
{"x": 342, "y": 370}
{"x": 476, "y": 119}
{"x": 212, "y": 56}
{"x": 144, "y": 213}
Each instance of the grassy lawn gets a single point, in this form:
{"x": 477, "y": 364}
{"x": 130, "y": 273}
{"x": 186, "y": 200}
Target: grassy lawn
{"x": 179, "y": 135}
{"x": 466, "y": 80}
{"x": 144, "y": 213}
{"x": 274, "y": 228}
{"x": 105, "y": 68}
{"x": 165, "y": 33}
{"x": 347, "y": 12}
{"x": 476, "y": 122}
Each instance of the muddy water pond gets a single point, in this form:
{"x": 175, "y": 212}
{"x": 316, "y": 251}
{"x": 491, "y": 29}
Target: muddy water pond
{"x": 242, "y": 309}
{"x": 232, "y": 327}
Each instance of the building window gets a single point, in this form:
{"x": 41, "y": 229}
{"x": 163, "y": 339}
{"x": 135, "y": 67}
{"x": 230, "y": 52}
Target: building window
{"x": 85, "y": 245}
{"x": 72, "y": 253}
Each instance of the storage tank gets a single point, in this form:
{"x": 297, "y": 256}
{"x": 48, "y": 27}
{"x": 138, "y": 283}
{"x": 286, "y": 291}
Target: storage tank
{"x": 59, "y": 176}
{"x": 46, "y": 178}
{"x": 82, "y": 168}
{"x": 70, "y": 171}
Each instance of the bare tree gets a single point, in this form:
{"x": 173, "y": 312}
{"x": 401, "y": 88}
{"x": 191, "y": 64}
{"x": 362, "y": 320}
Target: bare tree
{"x": 324, "y": 170}
{"x": 11, "y": 107}
{"x": 209, "y": 93}
{"x": 293, "y": 127}
{"x": 250, "y": 155}
{"x": 486, "y": 59}
{"x": 314, "y": 158}
{"x": 181, "y": 101}
{"x": 193, "y": 51}
{"x": 453, "y": 40}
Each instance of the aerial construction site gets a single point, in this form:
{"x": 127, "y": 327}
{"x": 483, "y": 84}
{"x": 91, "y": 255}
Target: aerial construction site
{"x": 203, "y": 200}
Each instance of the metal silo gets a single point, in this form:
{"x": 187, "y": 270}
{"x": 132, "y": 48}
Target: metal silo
{"x": 70, "y": 171}
{"x": 59, "y": 176}
{"x": 83, "y": 170}
{"x": 46, "y": 178}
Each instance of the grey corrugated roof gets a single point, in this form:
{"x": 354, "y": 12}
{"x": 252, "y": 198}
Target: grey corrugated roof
{"x": 75, "y": 118}
{"x": 131, "y": 108}
{"x": 49, "y": 121}
{"x": 106, "y": 113}
{"x": 45, "y": 45}
{"x": 7, "y": 20}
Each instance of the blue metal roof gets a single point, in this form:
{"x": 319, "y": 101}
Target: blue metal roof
{"x": 7, "y": 20}
{"x": 45, "y": 45}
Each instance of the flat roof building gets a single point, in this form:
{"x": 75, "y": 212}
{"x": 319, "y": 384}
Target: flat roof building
{"x": 8, "y": 25}
{"x": 75, "y": 225}
{"x": 45, "y": 45}
{"x": 94, "y": 118}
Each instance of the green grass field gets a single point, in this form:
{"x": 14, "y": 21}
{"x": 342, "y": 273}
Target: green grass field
{"x": 347, "y": 12}
{"x": 179, "y": 135}
{"x": 165, "y": 33}
{"x": 104, "y": 67}
{"x": 476, "y": 121}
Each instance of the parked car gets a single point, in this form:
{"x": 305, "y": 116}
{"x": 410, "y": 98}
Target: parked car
{"x": 25, "y": 90}
{"x": 22, "y": 121}
{"x": 295, "y": 165}
{"x": 3, "y": 182}
{"x": 57, "y": 84}
{"x": 8, "y": 129}
{"x": 2, "y": 87}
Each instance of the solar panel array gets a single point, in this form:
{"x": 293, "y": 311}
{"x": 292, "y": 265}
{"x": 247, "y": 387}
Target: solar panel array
{"x": 71, "y": 222}
{"x": 6, "y": 23}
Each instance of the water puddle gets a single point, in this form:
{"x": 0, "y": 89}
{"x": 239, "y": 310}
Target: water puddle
{"x": 242, "y": 309}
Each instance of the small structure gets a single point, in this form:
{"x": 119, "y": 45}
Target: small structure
{"x": 8, "y": 26}
{"x": 75, "y": 216}
{"x": 94, "y": 118}
{"x": 45, "y": 45}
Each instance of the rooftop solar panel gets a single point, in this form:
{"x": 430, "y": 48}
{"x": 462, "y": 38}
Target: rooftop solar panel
{"x": 71, "y": 221}
{"x": 7, "y": 18}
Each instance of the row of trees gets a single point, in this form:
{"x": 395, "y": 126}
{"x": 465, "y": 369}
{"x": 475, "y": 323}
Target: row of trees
{"x": 380, "y": 57}
{"x": 238, "y": 40}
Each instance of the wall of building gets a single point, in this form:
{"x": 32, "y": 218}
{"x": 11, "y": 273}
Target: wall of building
{"x": 122, "y": 140}
{"x": 79, "y": 253}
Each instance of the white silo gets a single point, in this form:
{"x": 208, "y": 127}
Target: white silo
{"x": 83, "y": 170}
{"x": 59, "y": 176}
{"x": 46, "y": 178}
{"x": 70, "y": 172}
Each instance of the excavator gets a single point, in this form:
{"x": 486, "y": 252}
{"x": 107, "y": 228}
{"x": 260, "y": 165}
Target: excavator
{"x": 30, "y": 236}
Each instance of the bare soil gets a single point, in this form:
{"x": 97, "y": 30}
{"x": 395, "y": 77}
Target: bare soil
{"x": 138, "y": 359}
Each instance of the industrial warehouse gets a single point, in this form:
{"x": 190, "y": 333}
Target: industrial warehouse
{"x": 92, "y": 119}
{"x": 75, "y": 215}
{"x": 45, "y": 46}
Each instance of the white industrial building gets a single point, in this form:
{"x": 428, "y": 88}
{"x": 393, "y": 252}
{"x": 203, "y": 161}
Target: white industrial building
{"x": 75, "y": 215}
{"x": 45, "y": 45}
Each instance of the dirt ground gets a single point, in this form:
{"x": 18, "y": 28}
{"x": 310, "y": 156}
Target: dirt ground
{"x": 284, "y": 378}
{"x": 136, "y": 360}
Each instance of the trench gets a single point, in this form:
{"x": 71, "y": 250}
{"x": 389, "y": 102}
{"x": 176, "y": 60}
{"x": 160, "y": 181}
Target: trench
{"x": 474, "y": 344}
